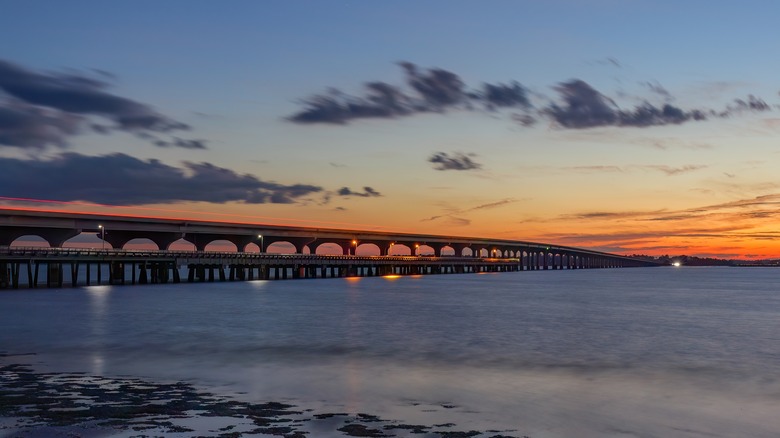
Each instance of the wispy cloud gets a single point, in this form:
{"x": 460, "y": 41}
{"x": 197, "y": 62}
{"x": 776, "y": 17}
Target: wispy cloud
{"x": 746, "y": 221}
{"x": 459, "y": 212}
{"x": 667, "y": 170}
{"x": 595, "y": 169}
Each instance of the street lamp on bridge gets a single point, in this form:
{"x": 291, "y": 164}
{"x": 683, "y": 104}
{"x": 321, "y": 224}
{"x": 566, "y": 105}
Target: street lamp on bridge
{"x": 260, "y": 236}
{"x": 102, "y": 237}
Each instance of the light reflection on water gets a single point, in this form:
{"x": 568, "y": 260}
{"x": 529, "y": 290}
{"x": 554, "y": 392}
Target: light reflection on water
{"x": 664, "y": 352}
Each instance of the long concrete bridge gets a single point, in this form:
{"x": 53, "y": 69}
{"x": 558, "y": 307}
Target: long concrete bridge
{"x": 57, "y": 228}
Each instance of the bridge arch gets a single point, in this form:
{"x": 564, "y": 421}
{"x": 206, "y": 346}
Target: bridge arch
{"x": 327, "y": 248}
{"x": 400, "y": 249}
{"x": 181, "y": 245}
{"x": 281, "y": 247}
{"x": 426, "y": 250}
{"x": 252, "y": 248}
{"x": 55, "y": 237}
{"x": 448, "y": 251}
{"x": 30, "y": 240}
{"x": 141, "y": 243}
{"x": 221, "y": 245}
{"x": 368, "y": 249}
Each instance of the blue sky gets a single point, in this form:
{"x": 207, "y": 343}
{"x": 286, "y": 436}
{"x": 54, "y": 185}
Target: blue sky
{"x": 236, "y": 73}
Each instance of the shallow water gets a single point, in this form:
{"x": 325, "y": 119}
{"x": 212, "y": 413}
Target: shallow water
{"x": 586, "y": 353}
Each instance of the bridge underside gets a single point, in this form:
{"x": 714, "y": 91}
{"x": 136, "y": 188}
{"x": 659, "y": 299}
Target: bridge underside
{"x": 46, "y": 267}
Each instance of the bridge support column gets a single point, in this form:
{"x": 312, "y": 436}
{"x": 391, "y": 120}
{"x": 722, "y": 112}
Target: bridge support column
{"x": 142, "y": 277}
{"x": 458, "y": 247}
{"x": 116, "y": 273}
{"x": 74, "y": 274}
{"x": 5, "y": 274}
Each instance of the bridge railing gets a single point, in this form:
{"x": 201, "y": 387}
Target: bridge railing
{"x": 36, "y": 251}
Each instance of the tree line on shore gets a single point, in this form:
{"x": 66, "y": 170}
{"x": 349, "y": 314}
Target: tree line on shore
{"x": 686, "y": 260}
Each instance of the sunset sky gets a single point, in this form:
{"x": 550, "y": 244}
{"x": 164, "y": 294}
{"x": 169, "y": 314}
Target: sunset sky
{"x": 627, "y": 126}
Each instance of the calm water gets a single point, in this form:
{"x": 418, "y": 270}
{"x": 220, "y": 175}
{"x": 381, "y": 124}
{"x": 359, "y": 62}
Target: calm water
{"x": 647, "y": 352}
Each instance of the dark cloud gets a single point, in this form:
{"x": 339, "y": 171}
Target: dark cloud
{"x": 31, "y": 127}
{"x": 435, "y": 90}
{"x": 439, "y": 88}
{"x": 181, "y": 143}
{"x": 752, "y": 103}
{"x": 456, "y": 161}
{"x": 381, "y": 100}
{"x": 62, "y": 99}
{"x": 119, "y": 179}
{"x": 429, "y": 90}
{"x": 505, "y": 95}
{"x": 584, "y": 107}
{"x": 367, "y": 192}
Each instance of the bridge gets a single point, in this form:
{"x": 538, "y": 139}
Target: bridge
{"x": 160, "y": 265}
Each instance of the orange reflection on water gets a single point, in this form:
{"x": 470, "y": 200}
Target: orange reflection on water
{"x": 391, "y": 277}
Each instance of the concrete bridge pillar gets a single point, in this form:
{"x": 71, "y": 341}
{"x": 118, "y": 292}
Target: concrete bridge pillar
{"x": 437, "y": 247}
{"x": 413, "y": 246}
{"x": 458, "y": 247}
{"x": 300, "y": 243}
{"x": 56, "y": 237}
{"x": 10, "y": 234}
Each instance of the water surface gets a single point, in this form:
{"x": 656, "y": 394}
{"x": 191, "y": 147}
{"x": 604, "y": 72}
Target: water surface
{"x": 585, "y": 353}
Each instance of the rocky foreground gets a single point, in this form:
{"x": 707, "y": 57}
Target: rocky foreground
{"x": 38, "y": 405}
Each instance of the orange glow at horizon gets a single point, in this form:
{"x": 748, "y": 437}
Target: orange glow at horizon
{"x": 694, "y": 233}
{"x": 156, "y": 209}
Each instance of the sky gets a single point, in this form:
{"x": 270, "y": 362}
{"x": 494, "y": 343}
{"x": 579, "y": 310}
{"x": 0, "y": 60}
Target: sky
{"x": 627, "y": 126}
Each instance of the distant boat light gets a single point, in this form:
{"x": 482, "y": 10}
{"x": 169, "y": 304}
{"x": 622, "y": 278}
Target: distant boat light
{"x": 676, "y": 264}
